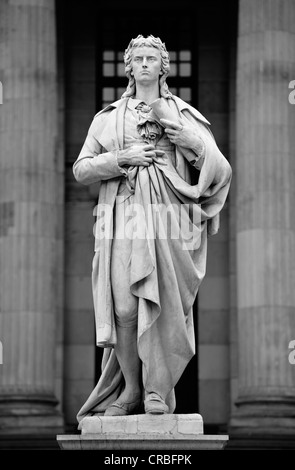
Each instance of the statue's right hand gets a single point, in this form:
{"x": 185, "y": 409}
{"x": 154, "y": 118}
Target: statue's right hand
{"x": 138, "y": 155}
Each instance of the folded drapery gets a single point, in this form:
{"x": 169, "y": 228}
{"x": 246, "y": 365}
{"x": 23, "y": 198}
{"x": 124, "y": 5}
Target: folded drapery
{"x": 166, "y": 271}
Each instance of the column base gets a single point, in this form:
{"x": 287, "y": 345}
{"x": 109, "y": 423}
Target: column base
{"x": 142, "y": 432}
{"x": 268, "y": 419}
{"x": 29, "y": 425}
{"x": 21, "y": 416}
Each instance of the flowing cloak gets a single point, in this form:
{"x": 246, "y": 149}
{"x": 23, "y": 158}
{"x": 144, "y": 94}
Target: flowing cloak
{"x": 165, "y": 272}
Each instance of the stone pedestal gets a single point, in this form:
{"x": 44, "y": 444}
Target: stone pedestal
{"x": 31, "y": 218}
{"x": 265, "y": 230}
{"x": 142, "y": 432}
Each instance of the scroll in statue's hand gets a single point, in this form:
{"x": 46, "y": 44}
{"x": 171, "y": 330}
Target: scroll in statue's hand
{"x": 181, "y": 133}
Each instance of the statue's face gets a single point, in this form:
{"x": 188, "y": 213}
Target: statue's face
{"x": 146, "y": 64}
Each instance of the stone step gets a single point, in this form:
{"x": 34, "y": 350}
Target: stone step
{"x": 166, "y": 425}
{"x": 142, "y": 432}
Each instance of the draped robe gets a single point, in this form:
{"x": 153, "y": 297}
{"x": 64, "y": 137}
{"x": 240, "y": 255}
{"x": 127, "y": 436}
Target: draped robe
{"x": 165, "y": 272}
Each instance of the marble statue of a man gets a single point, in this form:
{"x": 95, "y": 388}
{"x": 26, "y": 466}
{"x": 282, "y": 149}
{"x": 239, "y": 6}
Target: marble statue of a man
{"x": 151, "y": 233}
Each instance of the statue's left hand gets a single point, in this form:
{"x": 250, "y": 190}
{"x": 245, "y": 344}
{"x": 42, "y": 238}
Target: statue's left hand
{"x": 182, "y": 133}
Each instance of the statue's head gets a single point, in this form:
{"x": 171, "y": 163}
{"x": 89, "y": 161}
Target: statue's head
{"x": 149, "y": 41}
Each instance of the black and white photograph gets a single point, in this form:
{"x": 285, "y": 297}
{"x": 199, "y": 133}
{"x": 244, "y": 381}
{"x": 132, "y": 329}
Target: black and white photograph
{"x": 147, "y": 228}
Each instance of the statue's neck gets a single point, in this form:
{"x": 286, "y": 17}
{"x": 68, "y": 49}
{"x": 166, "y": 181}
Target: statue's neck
{"x": 148, "y": 94}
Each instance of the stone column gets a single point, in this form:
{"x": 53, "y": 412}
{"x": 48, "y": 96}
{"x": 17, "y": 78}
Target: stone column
{"x": 31, "y": 208}
{"x": 265, "y": 220}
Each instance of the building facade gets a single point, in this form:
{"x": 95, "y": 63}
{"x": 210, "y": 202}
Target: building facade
{"x": 60, "y": 63}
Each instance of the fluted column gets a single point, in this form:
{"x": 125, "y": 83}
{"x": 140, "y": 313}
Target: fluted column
{"x": 265, "y": 223}
{"x": 31, "y": 208}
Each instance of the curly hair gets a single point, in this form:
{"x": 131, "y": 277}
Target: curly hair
{"x": 149, "y": 41}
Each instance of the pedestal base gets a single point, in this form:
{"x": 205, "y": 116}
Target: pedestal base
{"x": 142, "y": 432}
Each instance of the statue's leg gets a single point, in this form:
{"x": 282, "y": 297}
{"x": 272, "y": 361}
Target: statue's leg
{"x": 126, "y": 312}
{"x": 126, "y": 352}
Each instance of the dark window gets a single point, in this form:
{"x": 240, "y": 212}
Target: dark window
{"x": 113, "y": 67}
{"x": 116, "y": 30}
